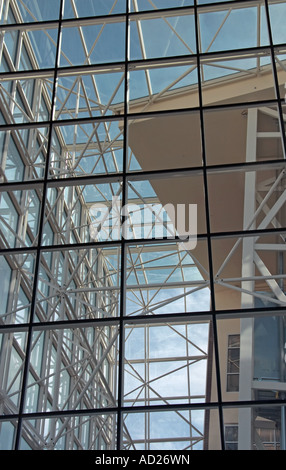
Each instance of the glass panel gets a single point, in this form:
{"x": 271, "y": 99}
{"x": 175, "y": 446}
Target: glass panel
{"x": 231, "y": 437}
{"x": 13, "y": 353}
{"x": 19, "y": 217}
{"x": 17, "y": 274}
{"x": 260, "y": 372}
{"x": 77, "y": 370}
{"x": 233, "y": 364}
{"x": 83, "y": 213}
{"x": 87, "y": 149}
{"x": 169, "y": 430}
{"x": 141, "y": 5}
{"x": 164, "y": 142}
{"x": 280, "y": 60}
{"x": 94, "y": 94}
{"x": 42, "y": 40}
{"x": 7, "y": 434}
{"x": 256, "y": 428}
{"x": 202, "y": 2}
{"x": 78, "y": 8}
{"x": 163, "y": 86}
{"x": 277, "y": 12}
{"x": 249, "y": 271}
{"x": 237, "y": 78}
{"x": 166, "y": 363}
{"x": 228, "y": 189}
{"x": 227, "y": 135}
{"x": 27, "y": 100}
{"x": 176, "y": 36}
{"x": 10, "y": 40}
{"x": 44, "y": 44}
{"x": 232, "y": 382}
{"x": 236, "y": 27}
{"x": 79, "y": 284}
{"x": 93, "y": 44}
{"x": 78, "y": 432}
{"x": 234, "y": 341}
{"x": 23, "y": 154}
{"x": 166, "y": 207}
{"x": 165, "y": 278}
{"x": 35, "y": 10}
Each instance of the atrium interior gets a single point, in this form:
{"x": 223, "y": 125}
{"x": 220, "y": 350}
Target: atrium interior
{"x": 142, "y": 225}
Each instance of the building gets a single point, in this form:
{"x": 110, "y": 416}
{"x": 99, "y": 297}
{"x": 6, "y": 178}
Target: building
{"x": 118, "y": 118}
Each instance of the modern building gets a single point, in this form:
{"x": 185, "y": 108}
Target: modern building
{"x": 142, "y": 224}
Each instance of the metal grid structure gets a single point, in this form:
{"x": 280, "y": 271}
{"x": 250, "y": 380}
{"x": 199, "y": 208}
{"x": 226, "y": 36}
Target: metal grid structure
{"x": 112, "y": 337}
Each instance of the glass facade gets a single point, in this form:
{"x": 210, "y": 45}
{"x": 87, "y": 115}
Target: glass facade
{"x": 142, "y": 225}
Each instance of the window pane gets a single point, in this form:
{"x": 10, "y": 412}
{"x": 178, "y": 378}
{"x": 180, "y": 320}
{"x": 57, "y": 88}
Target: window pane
{"x": 93, "y": 44}
{"x": 142, "y": 5}
{"x": 77, "y": 8}
{"x": 177, "y": 37}
{"x": 39, "y": 10}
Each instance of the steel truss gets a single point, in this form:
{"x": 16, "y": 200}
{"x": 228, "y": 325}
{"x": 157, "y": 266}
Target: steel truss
{"x": 101, "y": 332}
